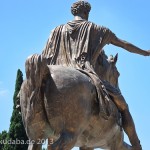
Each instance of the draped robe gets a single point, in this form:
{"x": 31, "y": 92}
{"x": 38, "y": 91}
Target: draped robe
{"x": 77, "y": 44}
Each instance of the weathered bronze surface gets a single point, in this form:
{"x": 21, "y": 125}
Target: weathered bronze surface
{"x": 71, "y": 92}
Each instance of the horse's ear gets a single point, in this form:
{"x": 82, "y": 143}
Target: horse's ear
{"x": 116, "y": 58}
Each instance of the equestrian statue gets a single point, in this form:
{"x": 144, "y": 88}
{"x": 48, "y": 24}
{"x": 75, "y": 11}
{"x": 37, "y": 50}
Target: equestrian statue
{"x": 71, "y": 92}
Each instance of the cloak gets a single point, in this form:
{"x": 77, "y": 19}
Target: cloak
{"x": 75, "y": 43}
{"x": 78, "y": 44}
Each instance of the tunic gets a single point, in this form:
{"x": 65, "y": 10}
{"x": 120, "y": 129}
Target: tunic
{"x": 78, "y": 44}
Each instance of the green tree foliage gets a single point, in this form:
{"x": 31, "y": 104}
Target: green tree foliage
{"x": 16, "y": 130}
{"x": 3, "y": 137}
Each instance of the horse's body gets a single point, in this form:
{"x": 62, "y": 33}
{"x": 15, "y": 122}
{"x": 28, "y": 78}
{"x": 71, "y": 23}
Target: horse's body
{"x": 69, "y": 113}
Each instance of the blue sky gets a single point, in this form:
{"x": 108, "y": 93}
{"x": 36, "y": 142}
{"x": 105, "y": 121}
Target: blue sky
{"x": 24, "y": 29}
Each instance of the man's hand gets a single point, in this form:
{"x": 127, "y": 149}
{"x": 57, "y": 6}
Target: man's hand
{"x": 148, "y": 52}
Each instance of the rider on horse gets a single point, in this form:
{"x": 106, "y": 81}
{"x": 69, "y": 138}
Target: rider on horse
{"x": 78, "y": 44}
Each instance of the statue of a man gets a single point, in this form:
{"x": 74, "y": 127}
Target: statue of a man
{"x": 78, "y": 44}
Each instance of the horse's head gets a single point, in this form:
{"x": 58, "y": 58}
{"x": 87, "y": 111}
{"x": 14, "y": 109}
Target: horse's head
{"x": 112, "y": 73}
{"x": 107, "y": 70}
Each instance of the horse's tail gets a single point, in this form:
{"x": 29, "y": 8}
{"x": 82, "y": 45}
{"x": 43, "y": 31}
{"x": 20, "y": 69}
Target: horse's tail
{"x": 31, "y": 95}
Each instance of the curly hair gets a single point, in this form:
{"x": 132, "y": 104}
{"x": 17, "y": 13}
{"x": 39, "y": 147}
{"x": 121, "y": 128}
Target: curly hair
{"x": 80, "y": 6}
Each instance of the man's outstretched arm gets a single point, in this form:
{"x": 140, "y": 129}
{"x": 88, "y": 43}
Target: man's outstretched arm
{"x": 129, "y": 47}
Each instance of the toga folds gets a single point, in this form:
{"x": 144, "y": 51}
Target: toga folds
{"x": 78, "y": 44}
{"x": 75, "y": 43}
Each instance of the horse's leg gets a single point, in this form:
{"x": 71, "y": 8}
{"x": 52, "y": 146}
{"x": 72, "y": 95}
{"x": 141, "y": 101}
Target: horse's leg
{"x": 118, "y": 143}
{"x": 123, "y": 146}
{"x": 50, "y": 142}
{"x": 84, "y": 148}
{"x": 66, "y": 141}
{"x": 35, "y": 146}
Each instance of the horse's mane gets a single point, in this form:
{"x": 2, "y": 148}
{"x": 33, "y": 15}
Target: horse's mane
{"x": 105, "y": 63}
{"x": 101, "y": 63}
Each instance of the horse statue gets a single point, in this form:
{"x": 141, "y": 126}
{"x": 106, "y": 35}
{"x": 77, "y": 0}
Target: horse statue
{"x": 68, "y": 111}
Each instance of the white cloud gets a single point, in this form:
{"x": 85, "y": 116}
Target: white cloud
{"x": 3, "y": 92}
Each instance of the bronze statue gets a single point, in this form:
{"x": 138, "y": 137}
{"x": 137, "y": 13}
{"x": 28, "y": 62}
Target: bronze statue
{"x": 71, "y": 88}
{"x": 65, "y": 107}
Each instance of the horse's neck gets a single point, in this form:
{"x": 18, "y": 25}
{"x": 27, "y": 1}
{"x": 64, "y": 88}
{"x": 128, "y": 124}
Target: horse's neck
{"x": 102, "y": 66}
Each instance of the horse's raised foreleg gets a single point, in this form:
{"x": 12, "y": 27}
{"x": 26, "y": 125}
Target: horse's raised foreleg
{"x": 66, "y": 141}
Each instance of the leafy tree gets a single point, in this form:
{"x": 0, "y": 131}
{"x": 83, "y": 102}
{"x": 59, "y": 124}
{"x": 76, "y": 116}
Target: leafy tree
{"x": 16, "y": 134}
{"x": 3, "y": 137}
